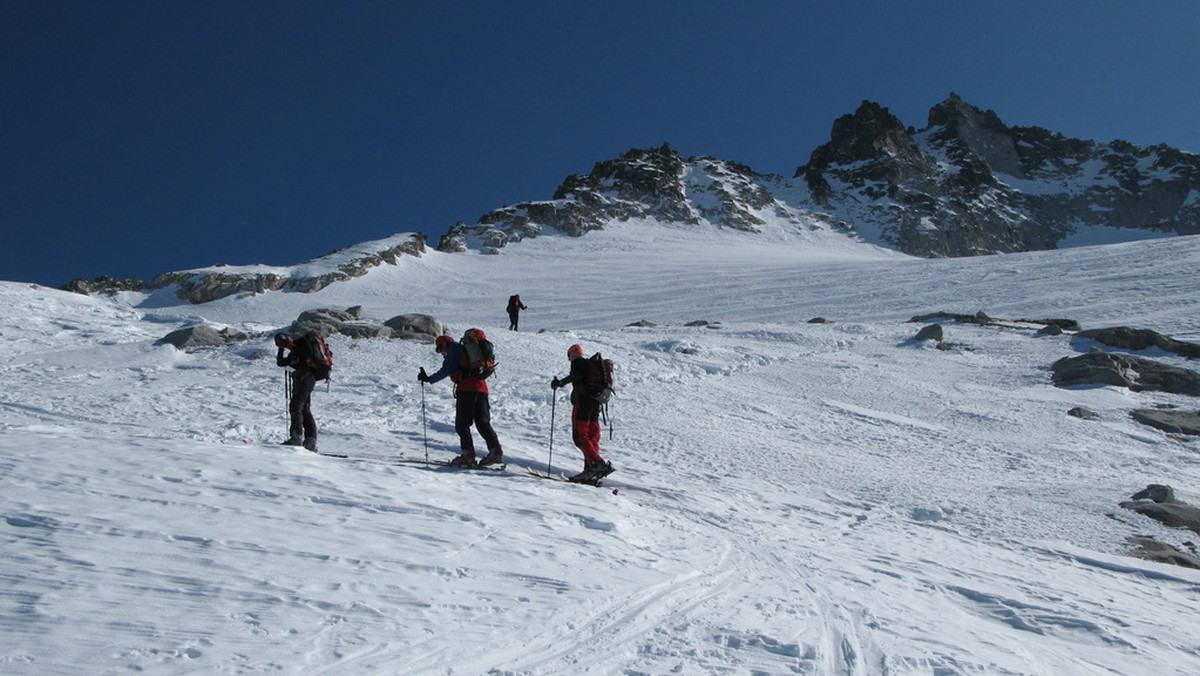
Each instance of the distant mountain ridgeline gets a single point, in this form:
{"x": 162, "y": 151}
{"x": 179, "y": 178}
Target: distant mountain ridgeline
{"x": 208, "y": 284}
{"x": 965, "y": 185}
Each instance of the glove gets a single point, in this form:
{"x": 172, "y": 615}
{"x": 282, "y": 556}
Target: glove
{"x": 422, "y": 376}
{"x": 554, "y": 384}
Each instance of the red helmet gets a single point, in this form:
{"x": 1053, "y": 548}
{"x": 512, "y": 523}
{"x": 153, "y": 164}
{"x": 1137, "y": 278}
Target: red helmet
{"x": 574, "y": 351}
{"x": 441, "y": 342}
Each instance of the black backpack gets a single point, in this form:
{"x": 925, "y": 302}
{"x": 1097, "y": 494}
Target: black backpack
{"x": 599, "y": 378}
{"x": 320, "y": 359}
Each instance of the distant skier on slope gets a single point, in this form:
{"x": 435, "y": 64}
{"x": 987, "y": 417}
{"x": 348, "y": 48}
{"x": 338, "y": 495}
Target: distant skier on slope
{"x": 469, "y": 372}
{"x": 585, "y": 413}
{"x": 514, "y": 311}
{"x": 307, "y": 370}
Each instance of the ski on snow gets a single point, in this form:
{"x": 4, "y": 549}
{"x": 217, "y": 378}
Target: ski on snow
{"x": 501, "y": 467}
{"x": 445, "y": 463}
{"x": 393, "y": 460}
{"x": 543, "y": 475}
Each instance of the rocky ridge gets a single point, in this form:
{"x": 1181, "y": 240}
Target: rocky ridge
{"x": 654, "y": 183}
{"x": 204, "y": 285}
{"x": 967, "y": 184}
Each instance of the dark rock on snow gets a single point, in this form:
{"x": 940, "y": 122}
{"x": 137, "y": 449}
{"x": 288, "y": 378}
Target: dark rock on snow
{"x": 1173, "y": 422}
{"x": 416, "y": 326}
{"x": 1150, "y": 549}
{"x": 932, "y": 332}
{"x": 1158, "y": 502}
{"x": 203, "y": 335}
{"x": 1127, "y": 338}
{"x": 103, "y": 284}
{"x": 1122, "y": 370}
{"x": 1050, "y": 330}
{"x": 329, "y": 322}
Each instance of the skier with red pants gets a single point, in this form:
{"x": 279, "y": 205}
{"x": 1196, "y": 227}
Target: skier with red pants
{"x": 471, "y": 403}
{"x": 585, "y": 416}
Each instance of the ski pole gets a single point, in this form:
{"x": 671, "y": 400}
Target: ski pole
{"x": 553, "y": 403}
{"x": 287, "y": 400}
{"x": 424, "y": 425}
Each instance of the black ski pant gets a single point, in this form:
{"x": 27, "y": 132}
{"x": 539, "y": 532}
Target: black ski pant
{"x": 303, "y": 425}
{"x": 472, "y": 408}
{"x": 514, "y": 318}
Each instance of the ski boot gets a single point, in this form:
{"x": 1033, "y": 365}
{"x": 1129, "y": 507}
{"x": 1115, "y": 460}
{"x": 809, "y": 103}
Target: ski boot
{"x": 465, "y": 460}
{"x": 494, "y": 457}
{"x": 599, "y": 471}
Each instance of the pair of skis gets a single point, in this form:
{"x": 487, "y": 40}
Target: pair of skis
{"x": 501, "y": 467}
{"x": 412, "y": 461}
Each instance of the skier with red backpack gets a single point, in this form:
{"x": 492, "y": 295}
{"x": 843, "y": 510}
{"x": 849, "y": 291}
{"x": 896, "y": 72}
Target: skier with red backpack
{"x": 468, "y": 363}
{"x": 311, "y": 360}
{"x": 591, "y": 386}
{"x": 514, "y": 311}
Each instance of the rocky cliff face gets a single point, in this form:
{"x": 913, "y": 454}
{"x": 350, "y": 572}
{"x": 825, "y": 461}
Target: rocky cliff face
{"x": 202, "y": 286}
{"x": 656, "y": 183}
{"x": 966, "y": 184}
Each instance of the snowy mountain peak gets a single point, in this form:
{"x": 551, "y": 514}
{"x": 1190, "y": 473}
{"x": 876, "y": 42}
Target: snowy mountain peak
{"x": 872, "y": 136}
{"x": 968, "y": 184}
{"x": 655, "y": 183}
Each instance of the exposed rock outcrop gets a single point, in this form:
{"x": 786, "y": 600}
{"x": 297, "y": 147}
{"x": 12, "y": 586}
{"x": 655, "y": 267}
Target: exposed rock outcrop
{"x": 1170, "y": 421}
{"x": 1122, "y": 370}
{"x": 203, "y": 286}
{"x": 932, "y": 332}
{"x": 416, "y": 327}
{"x": 103, "y": 284}
{"x": 1150, "y": 549}
{"x": 1128, "y": 338}
{"x": 982, "y": 319}
{"x": 1158, "y": 502}
{"x": 202, "y": 335}
{"x": 350, "y": 323}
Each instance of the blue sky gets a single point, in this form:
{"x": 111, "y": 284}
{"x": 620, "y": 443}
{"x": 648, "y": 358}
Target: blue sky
{"x": 140, "y": 137}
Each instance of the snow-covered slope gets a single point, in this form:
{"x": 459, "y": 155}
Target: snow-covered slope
{"x": 790, "y": 497}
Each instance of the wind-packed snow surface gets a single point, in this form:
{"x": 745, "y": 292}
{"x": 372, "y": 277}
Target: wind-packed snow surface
{"x": 790, "y": 498}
